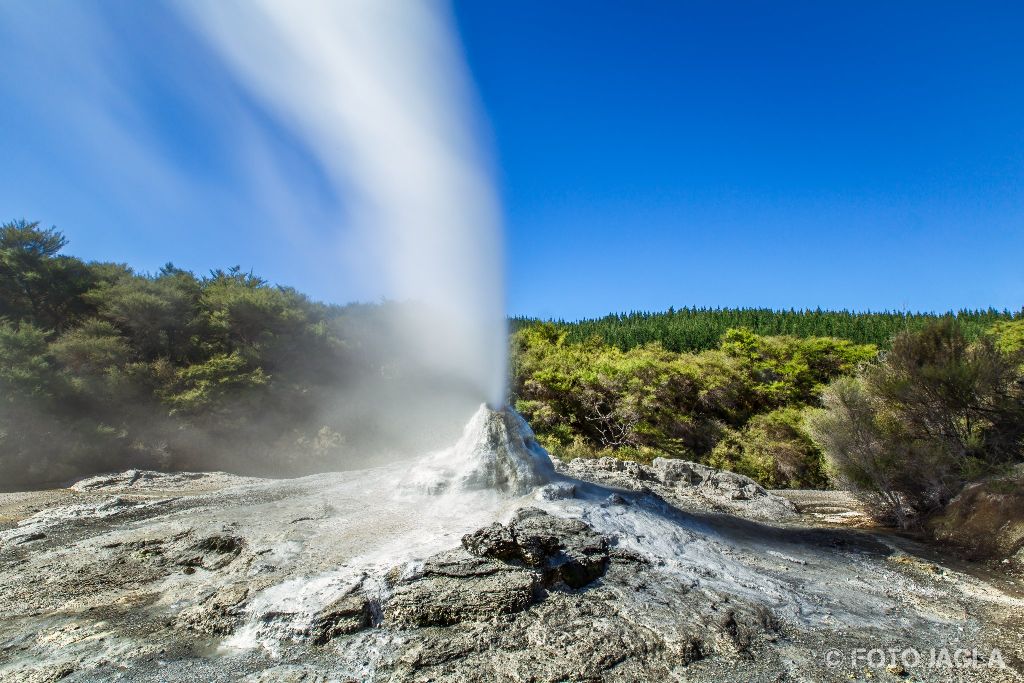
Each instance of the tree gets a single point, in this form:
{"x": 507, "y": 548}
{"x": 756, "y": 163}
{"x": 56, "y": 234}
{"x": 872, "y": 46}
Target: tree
{"x": 37, "y": 285}
{"x": 157, "y": 314}
{"x": 960, "y": 394}
{"x": 935, "y": 413}
{"x": 774, "y": 449}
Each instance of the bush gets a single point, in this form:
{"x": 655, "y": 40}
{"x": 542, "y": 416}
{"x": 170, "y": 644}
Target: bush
{"x": 739, "y": 405}
{"x": 102, "y": 368}
{"x": 775, "y": 450}
{"x": 910, "y": 431}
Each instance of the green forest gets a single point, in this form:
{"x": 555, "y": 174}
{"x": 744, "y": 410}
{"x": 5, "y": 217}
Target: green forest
{"x": 701, "y": 329}
{"x": 906, "y": 427}
{"x": 104, "y": 368}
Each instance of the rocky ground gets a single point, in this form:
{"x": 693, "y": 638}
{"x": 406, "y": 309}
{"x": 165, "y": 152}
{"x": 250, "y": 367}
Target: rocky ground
{"x": 610, "y": 571}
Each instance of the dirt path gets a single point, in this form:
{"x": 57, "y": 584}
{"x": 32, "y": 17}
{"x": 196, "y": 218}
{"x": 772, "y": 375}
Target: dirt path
{"x": 829, "y": 508}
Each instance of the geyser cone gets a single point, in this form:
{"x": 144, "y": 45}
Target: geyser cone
{"x": 497, "y": 451}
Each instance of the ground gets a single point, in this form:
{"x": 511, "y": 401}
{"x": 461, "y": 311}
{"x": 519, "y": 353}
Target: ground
{"x": 611, "y": 571}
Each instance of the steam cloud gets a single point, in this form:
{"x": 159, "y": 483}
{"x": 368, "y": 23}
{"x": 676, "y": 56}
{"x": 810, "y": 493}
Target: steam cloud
{"x": 340, "y": 142}
{"x": 378, "y": 92}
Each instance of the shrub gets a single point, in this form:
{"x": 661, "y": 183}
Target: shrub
{"x": 647, "y": 401}
{"x": 775, "y": 450}
{"x": 910, "y": 431}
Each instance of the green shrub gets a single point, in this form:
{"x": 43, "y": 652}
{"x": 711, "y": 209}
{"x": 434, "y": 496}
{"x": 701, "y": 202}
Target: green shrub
{"x": 911, "y": 430}
{"x": 775, "y": 450}
{"x": 646, "y": 401}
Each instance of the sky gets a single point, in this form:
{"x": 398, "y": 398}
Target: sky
{"x": 864, "y": 155}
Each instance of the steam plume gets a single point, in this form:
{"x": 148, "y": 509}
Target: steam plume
{"x": 378, "y": 92}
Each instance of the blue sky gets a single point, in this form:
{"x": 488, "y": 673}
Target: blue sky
{"x": 860, "y": 155}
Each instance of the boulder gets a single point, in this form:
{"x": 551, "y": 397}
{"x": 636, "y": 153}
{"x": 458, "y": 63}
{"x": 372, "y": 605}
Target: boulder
{"x": 346, "y": 615}
{"x": 212, "y": 552}
{"x": 218, "y": 613}
{"x": 562, "y": 550}
{"x": 689, "y": 485}
{"x": 987, "y": 520}
{"x": 500, "y": 569}
{"x": 457, "y": 586}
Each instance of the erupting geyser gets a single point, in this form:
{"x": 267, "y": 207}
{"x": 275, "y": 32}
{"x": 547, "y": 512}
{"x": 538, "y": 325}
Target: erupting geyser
{"x": 378, "y": 92}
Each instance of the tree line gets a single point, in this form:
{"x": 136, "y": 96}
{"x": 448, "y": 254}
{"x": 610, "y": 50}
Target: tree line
{"x": 701, "y": 329}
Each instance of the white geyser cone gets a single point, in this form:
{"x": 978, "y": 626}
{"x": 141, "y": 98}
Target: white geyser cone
{"x": 497, "y": 451}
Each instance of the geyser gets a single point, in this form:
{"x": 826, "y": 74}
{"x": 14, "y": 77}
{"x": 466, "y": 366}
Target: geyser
{"x": 359, "y": 110}
{"x": 378, "y": 92}
{"x": 497, "y": 451}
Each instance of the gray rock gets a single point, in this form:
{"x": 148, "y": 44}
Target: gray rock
{"x": 455, "y": 587}
{"x": 218, "y": 614}
{"x": 562, "y": 550}
{"x": 500, "y": 570}
{"x": 212, "y": 552}
{"x": 344, "y": 616}
{"x": 688, "y": 485}
{"x": 556, "y": 491}
{"x": 495, "y": 541}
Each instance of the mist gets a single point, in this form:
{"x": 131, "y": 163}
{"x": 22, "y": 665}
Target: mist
{"x": 343, "y": 136}
{"x": 379, "y": 94}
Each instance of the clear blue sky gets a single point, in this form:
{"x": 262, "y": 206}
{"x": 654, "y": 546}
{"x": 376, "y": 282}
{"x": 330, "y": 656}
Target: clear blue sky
{"x": 865, "y": 155}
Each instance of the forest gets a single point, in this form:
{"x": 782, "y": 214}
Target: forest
{"x": 701, "y": 329}
{"x": 103, "y": 368}
{"x": 906, "y": 427}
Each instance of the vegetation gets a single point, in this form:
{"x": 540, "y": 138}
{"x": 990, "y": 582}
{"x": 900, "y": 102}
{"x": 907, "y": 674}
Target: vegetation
{"x": 937, "y": 412}
{"x": 732, "y": 405}
{"x": 905, "y": 429}
{"x": 103, "y": 368}
{"x": 701, "y": 329}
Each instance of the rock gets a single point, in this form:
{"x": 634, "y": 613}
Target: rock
{"x": 567, "y": 637}
{"x": 566, "y": 550}
{"x": 688, "y": 485}
{"x": 212, "y": 552}
{"x": 344, "y": 616}
{"x": 556, "y": 491}
{"x": 288, "y": 673}
{"x": 500, "y": 570}
{"x": 690, "y": 474}
{"x": 674, "y": 472}
{"x": 536, "y": 536}
{"x": 218, "y": 614}
{"x": 138, "y": 481}
{"x": 457, "y": 586}
{"x": 987, "y": 519}
{"x": 563, "y": 550}
{"x": 896, "y": 670}
{"x": 119, "y": 481}
{"x": 28, "y": 537}
{"x": 616, "y": 499}
{"x": 494, "y": 541}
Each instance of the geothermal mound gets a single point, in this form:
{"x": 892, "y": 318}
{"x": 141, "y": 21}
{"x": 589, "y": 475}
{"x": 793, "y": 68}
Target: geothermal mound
{"x": 498, "y": 452}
